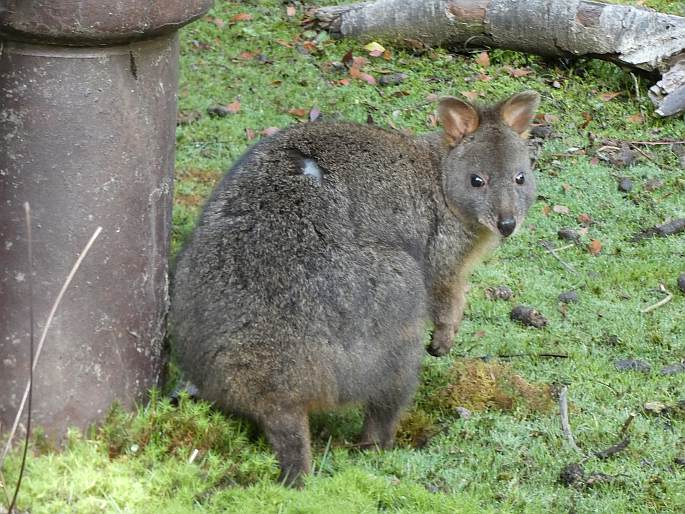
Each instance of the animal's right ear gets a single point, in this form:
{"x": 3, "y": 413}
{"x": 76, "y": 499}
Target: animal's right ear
{"x": 458, "y": 119}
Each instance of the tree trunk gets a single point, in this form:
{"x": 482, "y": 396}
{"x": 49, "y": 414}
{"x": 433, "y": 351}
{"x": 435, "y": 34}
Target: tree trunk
{"x": 635, "y": 37}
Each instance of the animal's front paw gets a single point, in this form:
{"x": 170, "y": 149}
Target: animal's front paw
{"x": 441, "y": 341}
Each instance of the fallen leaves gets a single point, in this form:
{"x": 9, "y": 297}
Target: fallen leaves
{"x": 356, "y": 73}
{"x": 374, "y": 49}
{"x": 298, "y": 112}
{"x": 314, "y": 113}
{"x": 595, "y": 247}
{"x": 607, "y": 97}
{"x": 354, "y": 65}
{"x": 483, "y": 59}
{"x": 517, "y": 72}
{"x": 243, "y": 16}
{"x": 221, "y": 111}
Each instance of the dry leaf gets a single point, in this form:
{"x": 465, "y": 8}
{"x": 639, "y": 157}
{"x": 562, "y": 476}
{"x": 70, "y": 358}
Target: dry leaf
{"x": 584, "y": 219}
{"x": 348, "y": 59}
{"x": 546, "y": 209}
{"x": 518, "y": 72}
{"x": 359, "y": 62}
{"x": 367, "y": 78}
{"x": 484, "y": 77}
{"x": 233, "y": 107}
{"x": 587, "y": 117}
{"x": 483, "y": 59}
{"x": 607, "y": 97}
{"x": 432, "y": 97}
{"x": 594, "y": 247}
{"x": 561, "y": 209}
{"x": 243, "y": 16}
{"x": 219, "y": 23}
{"x": 636, "y": 118}
{"x": 250, "y": 134}
{"x": 566, "y": 187}
{"x": 374, "y": 47}
{"x": 314, "y": 113}
{"x": 583, "y": 231}
{"x": 291, "y": 10}
{"x": 470, "y": 95}
{"x": 344, "y": 82}
{"x": 246, "y": 56}
{"x": 300, "y": 113}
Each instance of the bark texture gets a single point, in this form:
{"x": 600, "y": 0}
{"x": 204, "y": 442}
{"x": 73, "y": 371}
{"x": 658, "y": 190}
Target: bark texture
{"x": 631, "y": 36}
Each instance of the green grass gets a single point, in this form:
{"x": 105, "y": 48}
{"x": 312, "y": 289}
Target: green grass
{"x": 494, "y": 461}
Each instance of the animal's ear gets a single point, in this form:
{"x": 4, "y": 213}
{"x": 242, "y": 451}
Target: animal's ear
{"x": 458, "y": 119}
{"x": 518, "y": 111}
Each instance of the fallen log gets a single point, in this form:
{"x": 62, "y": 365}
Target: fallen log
{"x": 635, "y": 37}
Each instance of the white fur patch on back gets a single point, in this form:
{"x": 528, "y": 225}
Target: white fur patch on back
{"x": 312, "y": 169}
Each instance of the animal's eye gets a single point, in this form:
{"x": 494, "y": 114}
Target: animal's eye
{"x": 520, "y": 178}
{"x": 477, "y": 181}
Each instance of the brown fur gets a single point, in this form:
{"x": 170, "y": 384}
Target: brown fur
{"x": 322, "y": 252}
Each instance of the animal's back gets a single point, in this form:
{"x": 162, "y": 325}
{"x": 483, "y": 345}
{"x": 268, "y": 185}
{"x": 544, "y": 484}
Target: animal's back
{"x": 304, "y": 280}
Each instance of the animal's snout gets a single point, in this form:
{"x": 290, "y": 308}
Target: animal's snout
{"x": 506, "y": 226}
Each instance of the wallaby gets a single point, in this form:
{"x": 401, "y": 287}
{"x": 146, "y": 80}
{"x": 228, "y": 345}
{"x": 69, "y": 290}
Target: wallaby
{"x": 323, "y": 251}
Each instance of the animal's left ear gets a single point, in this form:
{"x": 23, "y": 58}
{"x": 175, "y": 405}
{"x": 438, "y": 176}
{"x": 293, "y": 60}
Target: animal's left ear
{"x": 518, "y": 111}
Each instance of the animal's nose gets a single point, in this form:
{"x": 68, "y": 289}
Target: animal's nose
{"x": 506, "y": 226}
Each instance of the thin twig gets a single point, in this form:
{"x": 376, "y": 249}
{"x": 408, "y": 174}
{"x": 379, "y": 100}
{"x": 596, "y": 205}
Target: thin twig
{"x": 641, "y": 152}
{"x": 55, "y": 305}
{"x": 655, "y": 142}
{"x": 606, "y": 385}
{"x": 29, "y": 241}
{"x": 552, "y": 251}
{"x": 565, "y": 247}
{"x": 627, "y": 423}
{"x": 664, "y": 301}
{"x": 512, "y": 355}
{"x": 563, "y": 411}
{"x": 613, "y": 450}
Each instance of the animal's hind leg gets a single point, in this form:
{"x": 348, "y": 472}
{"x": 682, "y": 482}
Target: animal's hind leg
{"x": 288, "y": 434}
{"x": 383, "y": 416}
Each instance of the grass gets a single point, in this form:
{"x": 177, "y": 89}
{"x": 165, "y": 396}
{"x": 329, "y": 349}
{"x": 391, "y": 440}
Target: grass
{"x": 496, "y": 460}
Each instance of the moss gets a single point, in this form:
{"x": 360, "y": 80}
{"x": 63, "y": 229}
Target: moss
{"x": 479, "y": 385}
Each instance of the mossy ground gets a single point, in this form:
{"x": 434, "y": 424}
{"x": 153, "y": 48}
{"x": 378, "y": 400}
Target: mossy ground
{"x": 498, "y": 460}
